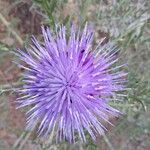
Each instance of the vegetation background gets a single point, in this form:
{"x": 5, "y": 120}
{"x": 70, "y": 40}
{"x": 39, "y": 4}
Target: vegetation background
{"x": 124, "y": 21}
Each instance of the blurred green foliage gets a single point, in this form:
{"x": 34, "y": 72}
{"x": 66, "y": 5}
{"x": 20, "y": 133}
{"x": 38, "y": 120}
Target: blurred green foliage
{"x": 50, "y": 8}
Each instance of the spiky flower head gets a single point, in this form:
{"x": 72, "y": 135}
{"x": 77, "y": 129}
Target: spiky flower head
{"x": 68, "y": 85}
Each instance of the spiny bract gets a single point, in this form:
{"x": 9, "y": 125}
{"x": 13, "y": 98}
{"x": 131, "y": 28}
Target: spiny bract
{"x": 68, "y": 85}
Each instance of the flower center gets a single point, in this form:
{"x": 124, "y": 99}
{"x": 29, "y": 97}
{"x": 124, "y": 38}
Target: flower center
{"x": 71, "y": 80}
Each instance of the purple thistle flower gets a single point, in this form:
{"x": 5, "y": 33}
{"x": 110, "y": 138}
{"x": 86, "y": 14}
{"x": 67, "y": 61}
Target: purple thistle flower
{"x": 68, "y": 85}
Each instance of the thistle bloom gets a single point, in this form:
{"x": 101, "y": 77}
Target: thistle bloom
{"x": 68, "y": 85}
